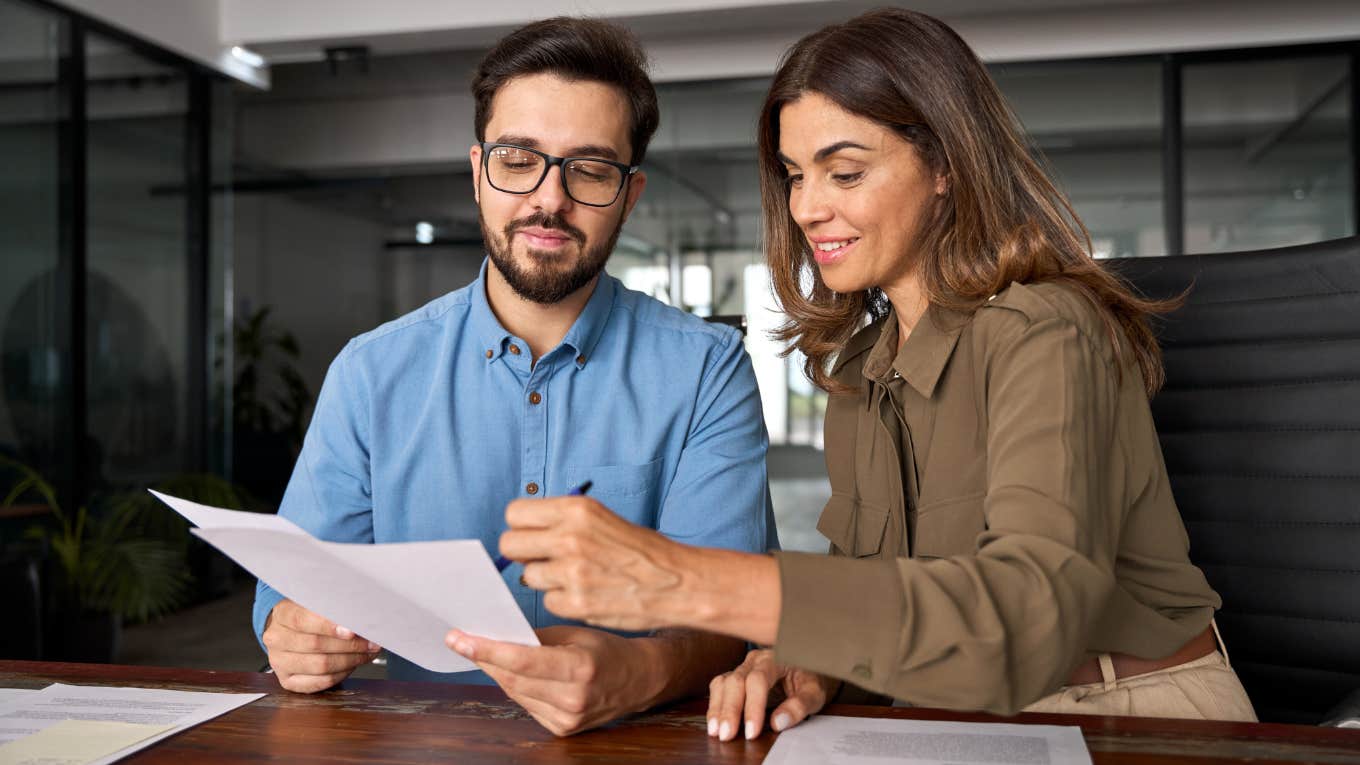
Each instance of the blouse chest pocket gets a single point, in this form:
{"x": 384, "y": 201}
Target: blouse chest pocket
{"x": 948, "y": 526}
{"x": 854, "y": 527}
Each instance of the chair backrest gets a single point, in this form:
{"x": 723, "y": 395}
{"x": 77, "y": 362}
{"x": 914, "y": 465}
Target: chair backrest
{"x": 1260, "y": 426}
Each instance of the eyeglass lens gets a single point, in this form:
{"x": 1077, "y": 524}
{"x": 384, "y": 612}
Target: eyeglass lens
{"x": 518, "y": 171}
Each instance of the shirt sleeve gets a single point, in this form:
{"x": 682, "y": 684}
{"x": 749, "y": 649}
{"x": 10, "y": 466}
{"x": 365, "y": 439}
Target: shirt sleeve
{"x": 719, "y": 495}
{"x": 329, "y": 494}
{"x": 1000, "y": 627}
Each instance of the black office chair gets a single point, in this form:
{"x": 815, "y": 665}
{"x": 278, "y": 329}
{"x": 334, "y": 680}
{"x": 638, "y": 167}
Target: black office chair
{"x": 1260, "y": 426}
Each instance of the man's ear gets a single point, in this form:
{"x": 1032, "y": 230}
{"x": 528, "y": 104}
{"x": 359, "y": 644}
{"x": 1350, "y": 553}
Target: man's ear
{"x": 636, "y": 183}
{"x": 475, "y": 154}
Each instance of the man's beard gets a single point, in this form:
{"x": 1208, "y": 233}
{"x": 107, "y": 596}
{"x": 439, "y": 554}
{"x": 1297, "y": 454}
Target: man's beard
{"x": 546, "y": 284}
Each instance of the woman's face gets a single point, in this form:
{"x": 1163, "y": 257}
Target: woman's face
{"x": 859, "y": 192}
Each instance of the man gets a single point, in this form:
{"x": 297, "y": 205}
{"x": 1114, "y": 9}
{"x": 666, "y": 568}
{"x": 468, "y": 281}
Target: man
{"x": 542, "y": 374}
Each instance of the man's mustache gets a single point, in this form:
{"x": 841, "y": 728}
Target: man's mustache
{"x": 546, "y": 221}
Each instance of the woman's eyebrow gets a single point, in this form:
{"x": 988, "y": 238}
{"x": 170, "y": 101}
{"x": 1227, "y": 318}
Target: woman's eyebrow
{"x": 827, "y": 151}
{"x": 824, "y": 152}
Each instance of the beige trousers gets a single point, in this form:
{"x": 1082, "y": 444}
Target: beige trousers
{"x": 1204, "y": 689}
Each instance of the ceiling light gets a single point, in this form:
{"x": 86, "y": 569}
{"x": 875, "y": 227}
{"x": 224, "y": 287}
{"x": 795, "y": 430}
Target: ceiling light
{"x": 247, "y": 57}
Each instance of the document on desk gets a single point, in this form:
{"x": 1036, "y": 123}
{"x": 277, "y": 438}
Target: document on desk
{"x": 403, "y": 596}
{"x": 833, "y": 740}
{"x": 152, "y": 712}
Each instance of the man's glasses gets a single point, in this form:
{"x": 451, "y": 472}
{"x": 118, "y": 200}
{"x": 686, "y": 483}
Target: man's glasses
{"x": 587, "y": 180}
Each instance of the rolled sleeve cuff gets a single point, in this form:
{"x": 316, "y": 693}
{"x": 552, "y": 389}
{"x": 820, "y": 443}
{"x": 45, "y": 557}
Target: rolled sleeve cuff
{"x": 840, "y": 617}
{"x": 266, "y": 598}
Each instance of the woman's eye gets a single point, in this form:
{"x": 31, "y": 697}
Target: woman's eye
{"x": 794, "y": 180}
{"x": 846, "y": 177}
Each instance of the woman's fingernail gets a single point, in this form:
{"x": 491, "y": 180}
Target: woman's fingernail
{"x": 712, "y": 726}
{"x": 780, "y": 721}
{"x": 343, "y": 633}
{"x": 750, "y": 730}
{"x": 725, "y": 732}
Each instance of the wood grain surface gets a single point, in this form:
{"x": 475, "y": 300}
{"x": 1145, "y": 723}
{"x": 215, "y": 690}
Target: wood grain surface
{"x": 391, "y": 722}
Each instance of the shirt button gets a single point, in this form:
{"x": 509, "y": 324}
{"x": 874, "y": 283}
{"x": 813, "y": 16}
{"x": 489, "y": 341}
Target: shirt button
{"x": 531, "y": 488}
{"x": 534, "y": 398}
{"x": 862, "y": 671}
{"x": 581, "y": 360}
{"x": 514, "y": 349}
{"x": 489, "y": 353}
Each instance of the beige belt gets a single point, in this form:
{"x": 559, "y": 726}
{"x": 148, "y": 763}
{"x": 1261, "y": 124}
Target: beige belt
{"x": 1123, "y": 665}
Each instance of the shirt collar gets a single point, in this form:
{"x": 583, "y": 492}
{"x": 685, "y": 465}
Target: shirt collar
{"x": 490, "y": 333}
{"x": 584, "y": 333}
{"x": 586, "y": 330}
{"x": 923, "y": 356}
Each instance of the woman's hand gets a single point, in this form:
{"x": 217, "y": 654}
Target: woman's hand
{"x": 742, "y": 694}
{"x": 593, "y": 566}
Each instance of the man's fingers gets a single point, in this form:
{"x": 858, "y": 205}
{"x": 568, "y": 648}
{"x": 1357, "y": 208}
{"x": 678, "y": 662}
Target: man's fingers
{"x": 311, "y": 683}
{"x": 292, "y": 616}
{"x": 292, "y": 641}
{"x": 543, "y": 662}
{"x": 316, "y": 663}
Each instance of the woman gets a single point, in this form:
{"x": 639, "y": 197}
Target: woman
{"x": 1003, "y": 532}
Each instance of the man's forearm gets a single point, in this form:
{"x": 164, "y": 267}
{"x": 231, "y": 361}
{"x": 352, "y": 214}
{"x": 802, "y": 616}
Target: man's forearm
{"x": 681, "y": 663}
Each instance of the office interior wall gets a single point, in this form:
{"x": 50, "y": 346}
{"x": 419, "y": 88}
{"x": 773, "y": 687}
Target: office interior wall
{"x": 33, "y": 378}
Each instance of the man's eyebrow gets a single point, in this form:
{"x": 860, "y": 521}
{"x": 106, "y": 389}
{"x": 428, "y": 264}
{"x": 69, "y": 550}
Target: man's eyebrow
{"x": 518, "y": 140}
{"x": 593, "y": 150}
{"x": 585, "y": 150}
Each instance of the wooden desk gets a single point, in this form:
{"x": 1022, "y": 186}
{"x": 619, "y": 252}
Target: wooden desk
{"x": 390, "y": 722}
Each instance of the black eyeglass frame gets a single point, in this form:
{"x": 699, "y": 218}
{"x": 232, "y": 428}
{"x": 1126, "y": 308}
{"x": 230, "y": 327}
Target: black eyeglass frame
{"x": 550, "y": 161}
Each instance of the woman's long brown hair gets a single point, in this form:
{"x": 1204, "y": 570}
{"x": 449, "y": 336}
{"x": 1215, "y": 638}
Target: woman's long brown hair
{"x": 1002, "y": 221}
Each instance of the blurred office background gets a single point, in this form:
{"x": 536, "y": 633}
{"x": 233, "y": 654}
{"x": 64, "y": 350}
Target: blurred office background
{"x": 201, "y": 201}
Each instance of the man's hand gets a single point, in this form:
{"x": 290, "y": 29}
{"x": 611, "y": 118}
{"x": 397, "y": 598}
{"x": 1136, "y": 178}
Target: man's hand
{"x": 310, "y": 653}
{"x": 578, "y": 679}
{"x": 742, "y": 694}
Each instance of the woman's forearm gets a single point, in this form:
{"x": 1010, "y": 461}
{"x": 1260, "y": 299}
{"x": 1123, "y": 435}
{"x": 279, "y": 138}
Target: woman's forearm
{"x": 727, "y": 592}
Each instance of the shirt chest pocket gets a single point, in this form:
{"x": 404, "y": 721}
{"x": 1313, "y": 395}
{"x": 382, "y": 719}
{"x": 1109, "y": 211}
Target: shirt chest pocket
{"x": 948, "y": 526}
{"x": 854, "y": 527}
{"x": 631, "y": 491}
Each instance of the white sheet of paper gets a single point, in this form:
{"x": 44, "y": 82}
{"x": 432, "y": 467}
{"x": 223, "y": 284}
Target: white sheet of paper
{"x": 75, "y": 742}
{"x": 833, "y": 740}
{"x": 404, "y": 596}
{"x": 142, "y": 706}
{"x": 13, "y": 694}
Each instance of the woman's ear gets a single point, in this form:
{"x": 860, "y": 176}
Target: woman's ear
{"x": 942, "y": 184}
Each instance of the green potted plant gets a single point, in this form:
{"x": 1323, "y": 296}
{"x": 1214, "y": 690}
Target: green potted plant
{"x": 269, "y": 403}
{"x": 99, "y": 572}
{"x": 212, "y": 574}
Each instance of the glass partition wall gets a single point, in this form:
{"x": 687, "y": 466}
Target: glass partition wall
{"x": 112, "y": 248}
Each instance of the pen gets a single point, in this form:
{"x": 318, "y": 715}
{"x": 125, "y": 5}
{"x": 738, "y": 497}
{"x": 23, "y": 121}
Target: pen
{"x": 502, "y": 562}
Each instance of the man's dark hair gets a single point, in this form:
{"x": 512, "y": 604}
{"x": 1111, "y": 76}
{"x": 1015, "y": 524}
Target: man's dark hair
{"x": 574, "y": 49}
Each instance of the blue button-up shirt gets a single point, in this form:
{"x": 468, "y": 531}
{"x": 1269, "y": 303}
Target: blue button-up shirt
{"x": 428, "y": 426}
